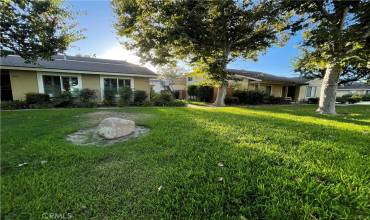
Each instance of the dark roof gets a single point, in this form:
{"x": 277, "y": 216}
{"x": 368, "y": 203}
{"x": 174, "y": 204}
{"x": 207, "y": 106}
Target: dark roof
{"x": 269, "y": 77}
{"x": 73, "y": 63}
{"x": 360, "y": 86}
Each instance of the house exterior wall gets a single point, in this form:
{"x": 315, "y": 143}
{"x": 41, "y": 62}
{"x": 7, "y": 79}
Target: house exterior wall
{"x": 179, "y": 83}
{"x": 277, "y": 90}
{"x": 23, "y": 82}
{"x": 91, "y": 82}
{"x": 240, "y": 85}
{"x": 316, "y": 83}
{"x": 141, "y": 83}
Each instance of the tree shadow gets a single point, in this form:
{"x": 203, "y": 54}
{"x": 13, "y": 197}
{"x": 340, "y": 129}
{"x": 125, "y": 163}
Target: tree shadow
{"x": 359, "y": 115}
{"x": 266, "y": 174}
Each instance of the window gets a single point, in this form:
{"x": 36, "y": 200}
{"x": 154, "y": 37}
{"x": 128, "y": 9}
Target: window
{"x": 115, "y": 84}
{"x": 268, "y": 90}
{"x": 55, "y": 84}
{"x": 311, "y": 91}
{"x": 190, "y": 79}
{"x": 256, "y": 87}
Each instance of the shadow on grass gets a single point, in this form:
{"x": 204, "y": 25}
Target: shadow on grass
{"x": 359, "y": 115}
{"x": 270, "y": 171}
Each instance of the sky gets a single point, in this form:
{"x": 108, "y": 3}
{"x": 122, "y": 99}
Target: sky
{"x": 97, "y": 19}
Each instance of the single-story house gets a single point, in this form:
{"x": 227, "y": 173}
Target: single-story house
{"x": 67, "y": 73}
{"x": 278, "y": 86}
{"x": 313, "y": 89}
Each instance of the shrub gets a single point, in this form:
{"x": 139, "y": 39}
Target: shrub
{"x": 276, "y": 100}
{"x": 350, "y": 98}
{"x": 65, "y": 99}
{"x": 109, "y": 97}
{"x": 249, "y": 97}
{"x": 11, "y": 105}
{"x": 204, "y": 93}
{"x": 139, "y": 97}
{"x": 125, "y": 96}
{"x": 87, "y": 95}
{"x": 366, "y": 97}
{"x": 354, "y": 99}
{"x": 313, "y": 100}
{"x": 177, "y": 103}
{"x": 163, "y": 99}
{"x": 192, "y": 91}
{"x": 346, "y": 97}
{"x": 231, "y": 100}
{"x": 341, "y": 100}
{"x": 37, "y": 98}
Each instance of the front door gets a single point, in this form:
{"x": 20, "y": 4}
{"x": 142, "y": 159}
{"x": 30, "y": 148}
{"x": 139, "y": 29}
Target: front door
{"x": 291, "y": 92}
{"x": 6, "y": 89}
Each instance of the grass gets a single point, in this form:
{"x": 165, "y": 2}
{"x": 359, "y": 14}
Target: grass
{"x": 280, "y": 162}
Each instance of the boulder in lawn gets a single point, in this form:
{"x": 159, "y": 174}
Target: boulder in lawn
{"x": 112, "y": 128}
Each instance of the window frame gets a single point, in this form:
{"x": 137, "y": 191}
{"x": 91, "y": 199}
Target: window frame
{"x": 309, "y": 95}
{"x": 40, "y": 80}
{"x": 117, "y": 78}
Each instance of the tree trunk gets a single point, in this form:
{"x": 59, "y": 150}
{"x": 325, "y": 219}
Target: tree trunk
{"x": 221, "y": 93}
{"x": 329, "y": 90}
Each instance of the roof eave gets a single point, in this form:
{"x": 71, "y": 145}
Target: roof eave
{"x": 77, "y": 71}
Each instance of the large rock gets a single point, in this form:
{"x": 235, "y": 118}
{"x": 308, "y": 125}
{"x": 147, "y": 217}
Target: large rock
{"x": 112, "y": 128}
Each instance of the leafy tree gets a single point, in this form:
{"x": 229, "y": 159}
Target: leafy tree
{"x": 170, "y": 73}
{"x": 312, "y": 68}
{"x": 336, "y": 42}
{"x": 212, "y": 32}
{"x": 35, "y": 29}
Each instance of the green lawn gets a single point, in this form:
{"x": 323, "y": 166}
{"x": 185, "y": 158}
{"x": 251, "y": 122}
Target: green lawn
{"x": 281, "y": 162}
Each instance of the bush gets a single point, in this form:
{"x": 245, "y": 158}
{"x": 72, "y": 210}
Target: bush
{"x": 139, "y": 97}
{"x": 87, "y": 95}
{"x": 341, "y": 100}
{"x": 163, "y": 99}
{"x": 354, "y": 99}
{"x": 249, "y": 97}
{"x": 275, "y": 100}
{"x": 231, "y": 100}
{"x": 125, "y": 95}
{"x": 37, "y": 99}
{"x": 350, "y": 98}
{"x": 65, "y": 99}
{"x": 204, "y": 93}
{"x": 11, "y": 105}
{"x": 192, "y": 91}
{"x": 177, "y": 103}
{"x": 366, "y": 97}
{"x": 313, "y": 100}
{"x": 109, "y": 97}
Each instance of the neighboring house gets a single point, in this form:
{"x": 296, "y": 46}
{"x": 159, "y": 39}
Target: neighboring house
{"x": 270, "y": 84}
{"x": 313, "y": 89}
{"x": 178, "y": 85}
{"x": 67, "y": 73}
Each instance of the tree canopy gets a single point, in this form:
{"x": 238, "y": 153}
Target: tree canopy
{"x": 35, "y": 29}
{"x": 211, "y": 32}
{"x": 336, "y": 42}
{"x": 312, "y": 67}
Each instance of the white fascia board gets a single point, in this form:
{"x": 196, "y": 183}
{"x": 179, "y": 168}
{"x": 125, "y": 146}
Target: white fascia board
{"x": 247, "y": 77}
